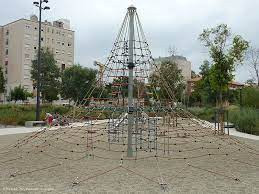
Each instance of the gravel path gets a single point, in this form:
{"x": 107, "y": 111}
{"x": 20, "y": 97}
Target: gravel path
{"x": 73, "y": 160}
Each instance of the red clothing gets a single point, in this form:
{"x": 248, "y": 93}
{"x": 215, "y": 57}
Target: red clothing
{"x": 50, "y": 119}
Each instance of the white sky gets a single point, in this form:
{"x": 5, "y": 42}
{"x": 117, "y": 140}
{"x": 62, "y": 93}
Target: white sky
{"x": 166, "y": 22}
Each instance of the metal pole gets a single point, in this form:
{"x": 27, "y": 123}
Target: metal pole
{"x": 39, "y": 68}
{"x": 240, "y": 98}
{"x": 131, "y": 11}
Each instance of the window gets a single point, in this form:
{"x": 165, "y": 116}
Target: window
{"x": 6, "y": 63}
{"x": 42, "y": 30}
{"x": 27, "y": 56}
{"x": 26, "y": 87}
{"x": 6, "y": 42}
{"x": 41, "y": 39}
{"x": 7, "y": 32}
{"x": 35, "y": 48}
{"x": 27, "y": 36}
{"x": 27, "y": 67}
{"x": 6, "y": 52}
{"x": 35, "y": 28}
{"x": 27, "y": 46}
{"x": 63, "y": 43}
{"x": 6, "y": 70}
{"x": 27, "y": 26}
{"x": 57, "y": 51}
{"x": 27, "y": 74}
{"x": 69, "y": 44}
{"x": 63, "y": 66}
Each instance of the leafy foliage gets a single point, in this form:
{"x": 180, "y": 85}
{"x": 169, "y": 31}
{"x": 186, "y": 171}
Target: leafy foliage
{"x": 77, "y": 82}
{"x": 226, "y": 52}
{"x": 250, "y": 97}
{"x": 203, "y": 91}
{"x": 49, "y": 77}
{"x": 245, "y": 120}
{"x": 168, "y": 82}
{"x": 20, "y": 93}
{"x": 14, "y": 114}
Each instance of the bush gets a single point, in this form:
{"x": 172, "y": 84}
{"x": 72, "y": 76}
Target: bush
{"x": 204, "y": 113}
{"x": 250, "y": 97}
{"x": 19, "y": 114}
{"x": 245, "y": 120}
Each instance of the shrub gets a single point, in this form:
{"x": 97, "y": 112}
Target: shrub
{"x": 250, "y": 97}
{"x": 205, "y": 113}
{"x": 245, "y": 120}
{"x": 18, "y": 114}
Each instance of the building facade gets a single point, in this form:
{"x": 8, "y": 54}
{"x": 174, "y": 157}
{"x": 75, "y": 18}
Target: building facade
{"x": 19, "y": 46}
{"x": 182, "y": 63}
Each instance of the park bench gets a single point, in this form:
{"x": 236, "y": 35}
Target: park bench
{"x": 35, "y": 123}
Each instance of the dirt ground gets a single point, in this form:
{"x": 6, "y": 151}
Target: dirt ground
{"x": 185, "y": 159}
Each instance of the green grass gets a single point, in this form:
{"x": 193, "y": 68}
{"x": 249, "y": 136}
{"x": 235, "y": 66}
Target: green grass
{"x": 204, "y": 113}
{"x": 245, "y": 120}
{"x": 19, "y": 114}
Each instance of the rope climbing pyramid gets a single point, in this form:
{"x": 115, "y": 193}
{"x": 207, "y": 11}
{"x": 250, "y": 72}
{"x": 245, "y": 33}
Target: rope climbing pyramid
{"x": 127, "y": 134}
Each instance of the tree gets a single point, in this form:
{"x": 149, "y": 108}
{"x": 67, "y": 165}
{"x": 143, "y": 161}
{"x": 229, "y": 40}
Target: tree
{"x": 203, "y": 91}
{"x": 226, "y": 52}
{"x": 167, "y": 82}
{"x": 253, "y": 63}
{"x": 250, "y": 82}
{"x": 2, "y": 81}
{"x": 49, "y": 78}
{"x": 77, "y": 82}
{"x": 250, "y": 97}
{"x": 19, "y": 93}
{"x": 193, "y": 74}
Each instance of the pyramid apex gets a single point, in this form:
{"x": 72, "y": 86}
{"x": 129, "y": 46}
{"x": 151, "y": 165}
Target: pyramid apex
{"x": 132, "y": 7}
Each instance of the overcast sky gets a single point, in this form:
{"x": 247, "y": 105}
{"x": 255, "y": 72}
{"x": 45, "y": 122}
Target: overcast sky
{"x": 166, "y": 22}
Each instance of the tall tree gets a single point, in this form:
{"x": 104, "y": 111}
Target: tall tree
{"x": 193, "y": 74}
{"x": 168, "y": 81}
{"x": 2, "y": 81}
{"x": 49, "y": 77}
{"x": 77, "y": 82}
{"x": 253, "y": 63}
{"x": 203, "y": 91}
{"x": 226, "y": 51}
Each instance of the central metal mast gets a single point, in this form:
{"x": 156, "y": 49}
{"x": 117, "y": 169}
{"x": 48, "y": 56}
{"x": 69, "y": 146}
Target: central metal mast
{"x": 131, "y": 65}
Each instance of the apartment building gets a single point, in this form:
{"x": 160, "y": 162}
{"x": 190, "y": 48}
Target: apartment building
{"x": 19, "y": 46}
{"x": 182, "y": 63}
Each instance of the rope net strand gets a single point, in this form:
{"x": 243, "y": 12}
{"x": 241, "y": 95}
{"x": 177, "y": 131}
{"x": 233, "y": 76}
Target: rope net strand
{"x": 162, "y": 133}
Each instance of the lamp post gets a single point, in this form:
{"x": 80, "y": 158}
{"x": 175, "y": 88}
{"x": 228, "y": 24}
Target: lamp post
{"x": 39, "y": 4}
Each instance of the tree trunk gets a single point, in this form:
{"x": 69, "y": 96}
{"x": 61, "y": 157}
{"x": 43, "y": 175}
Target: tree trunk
{"x": 221, "y": 113}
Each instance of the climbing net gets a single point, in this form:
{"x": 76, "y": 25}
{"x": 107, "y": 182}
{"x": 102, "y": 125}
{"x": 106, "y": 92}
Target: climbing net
{"x": 162, "y": 134}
